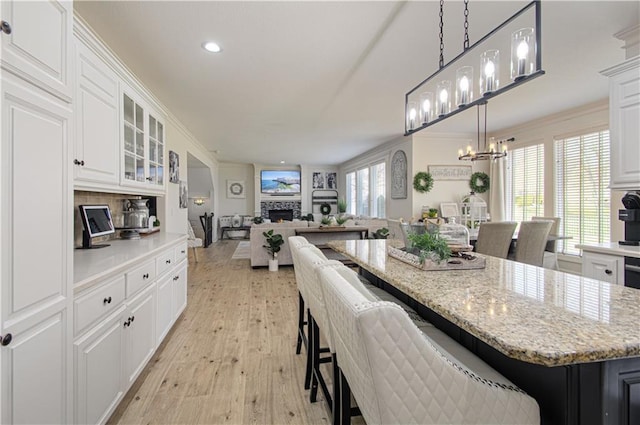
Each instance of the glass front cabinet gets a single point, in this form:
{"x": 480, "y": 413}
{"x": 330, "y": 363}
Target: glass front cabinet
{"x": 143, "y": 144}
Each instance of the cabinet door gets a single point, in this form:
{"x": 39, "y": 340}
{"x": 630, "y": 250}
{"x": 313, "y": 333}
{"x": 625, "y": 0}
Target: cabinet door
{"x": 140, "y": 332}
{"x": 165, "y": 307}
{"x": 133, "y": 137}
{"x": 602, "y": 267}
{"x": 156, "y": 150}
{"x": 98, "y": 371}
{"x": 37, "y": 48}
{"x": 179, "y": 280}
{"x": 97, "y": 152}
{"x": 34, "y": 373}
{"x": 36, "y": 247}
{"x": 625, "y": 128}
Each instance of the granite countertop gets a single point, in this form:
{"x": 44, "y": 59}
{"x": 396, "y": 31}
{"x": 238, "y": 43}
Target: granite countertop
{"x": 528, "y": 313}
{"x": 90, "y": 265}
{"x": 612, "y": 248}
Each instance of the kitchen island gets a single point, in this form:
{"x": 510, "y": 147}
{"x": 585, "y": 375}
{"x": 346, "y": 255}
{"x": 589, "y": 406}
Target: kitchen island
{"x": 572, "y": 343}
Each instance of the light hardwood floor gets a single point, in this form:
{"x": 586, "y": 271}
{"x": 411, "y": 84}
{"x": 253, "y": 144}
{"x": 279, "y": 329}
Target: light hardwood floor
{"x": 230, "y": 358}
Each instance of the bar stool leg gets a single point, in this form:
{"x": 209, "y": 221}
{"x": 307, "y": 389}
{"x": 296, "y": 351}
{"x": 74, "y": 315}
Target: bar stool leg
{"x": 337, "y": 402}
{"x": 345, "y": 400}
{"x": 309, "y": 372}
{"x": 300, "y": 322}
{"x": 314, "y": 355}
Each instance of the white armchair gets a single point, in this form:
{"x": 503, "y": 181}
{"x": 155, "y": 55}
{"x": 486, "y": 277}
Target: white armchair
{"x": 192, "y": 241}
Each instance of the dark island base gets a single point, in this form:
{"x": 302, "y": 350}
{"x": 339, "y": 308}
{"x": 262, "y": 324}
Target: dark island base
{"x": 606, "y": 392}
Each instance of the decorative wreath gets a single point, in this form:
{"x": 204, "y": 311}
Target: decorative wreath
{"x": 484, "y": 182}
{"x": 423, "y": 182}
{"x": 325, "y": 208}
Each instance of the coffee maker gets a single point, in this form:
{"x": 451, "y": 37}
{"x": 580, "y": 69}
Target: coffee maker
{"x": 631, "y": 217}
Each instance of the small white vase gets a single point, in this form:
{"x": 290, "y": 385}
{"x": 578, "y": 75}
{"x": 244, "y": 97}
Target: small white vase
{"x": 273, "y": 265}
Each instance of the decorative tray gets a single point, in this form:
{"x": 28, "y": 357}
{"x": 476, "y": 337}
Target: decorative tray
{"x": 467, "y": 262}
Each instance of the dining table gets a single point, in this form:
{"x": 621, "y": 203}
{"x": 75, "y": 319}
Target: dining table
{"x": 572, "y": 343}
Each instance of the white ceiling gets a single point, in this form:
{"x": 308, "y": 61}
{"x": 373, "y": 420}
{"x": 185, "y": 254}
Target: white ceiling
{"x": 316, "y": 82}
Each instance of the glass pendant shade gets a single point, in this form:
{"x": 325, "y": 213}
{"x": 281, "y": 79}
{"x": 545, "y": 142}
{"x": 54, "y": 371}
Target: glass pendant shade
{"x": 464, "y": 85}
{"x": 523, "y": 50}
{"x": 412, "y": 115}
{"x": 489, "y": 71}
{"x": 426, "y": 107}
{"x": 443, "y": 94}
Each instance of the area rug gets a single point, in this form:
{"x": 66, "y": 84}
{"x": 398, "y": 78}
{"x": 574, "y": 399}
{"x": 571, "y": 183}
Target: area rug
{"x": 243, "y": 251}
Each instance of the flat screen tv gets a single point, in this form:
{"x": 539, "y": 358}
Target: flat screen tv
{"x": 280, "y": 182}
{"x": 96, "y": 220}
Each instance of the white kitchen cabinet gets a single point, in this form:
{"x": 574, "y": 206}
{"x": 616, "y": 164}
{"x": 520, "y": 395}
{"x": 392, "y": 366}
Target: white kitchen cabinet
{"x": 142, "y": 144}
{"x": 139, "y": 323}
{"x": 179, "y": 290}
{"x": 36, "y": 247}
{"x": 624, "y": 124}
{"x": 99, "y": 357}
{"x": 608, "y": 268}
{"x": 37, "y": 49}
{"x": 97, "y": 151}
{"x": 165, "y": 307}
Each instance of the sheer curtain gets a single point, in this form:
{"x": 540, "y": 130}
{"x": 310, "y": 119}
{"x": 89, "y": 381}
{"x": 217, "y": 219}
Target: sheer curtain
{"x": 497, "y": 194}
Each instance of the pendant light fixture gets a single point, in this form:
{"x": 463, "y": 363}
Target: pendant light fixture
{"x": 493, "y": 151}
{"x": 453, "y": 88}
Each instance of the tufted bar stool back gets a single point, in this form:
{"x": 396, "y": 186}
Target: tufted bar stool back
{"x": 295, "y": 243}
{"x": 399, "y": 375}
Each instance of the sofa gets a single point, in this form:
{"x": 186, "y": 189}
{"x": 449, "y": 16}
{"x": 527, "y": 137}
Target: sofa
{"x": 259, "y": 254}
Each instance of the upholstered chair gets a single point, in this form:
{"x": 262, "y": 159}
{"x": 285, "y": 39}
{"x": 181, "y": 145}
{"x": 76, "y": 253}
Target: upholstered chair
{"x": 397, "y": 374}
{"x": 494, "y": 238}
{"x": 550, "y": 260}
{"x": 532, "y": 241}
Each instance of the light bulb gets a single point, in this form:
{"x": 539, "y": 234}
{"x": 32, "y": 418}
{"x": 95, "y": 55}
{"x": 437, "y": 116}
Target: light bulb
{"x": 460, "y": 153}
{"x": 492, "y": 147}
{"x": 469, "y": 149}
{"x": 489, "y": 69}
{"x": 426, "y": 106}
{"x": 412, "y": 114}
{"x": 523, "y": 50}
{"x": 464, "y": 84}
{"x": 444, "y": 96}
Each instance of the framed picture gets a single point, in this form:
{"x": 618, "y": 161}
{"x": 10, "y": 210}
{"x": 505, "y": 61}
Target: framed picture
{"x": 449, "y": 209}
{"x": 318, "y": 180}
{"x": 399, "y": 175}
{"x": 450, "y": 172}
{"x": 183, "y": 194}
{"x": 236, "y": 189}
{"x": 174, "y": 167}
{"x": 332, "y": 181}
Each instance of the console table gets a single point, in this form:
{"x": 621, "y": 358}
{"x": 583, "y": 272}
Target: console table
{"x": 319, "y": 236}
{"x": 226, "y": 229}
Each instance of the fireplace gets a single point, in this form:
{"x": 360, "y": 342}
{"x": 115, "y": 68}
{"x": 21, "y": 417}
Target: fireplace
{"x": 277, "y": 215}
{"x": 266, "y": 207}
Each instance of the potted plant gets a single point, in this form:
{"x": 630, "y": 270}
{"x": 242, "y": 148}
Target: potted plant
{"x": 433, "y": 213}
{"x": 326, "y": 220}
{"x": 274, "y": 242}
{"x": 429, "y": 246}
{"x": 342, "y": 206}
{"x": 340, "y": 220}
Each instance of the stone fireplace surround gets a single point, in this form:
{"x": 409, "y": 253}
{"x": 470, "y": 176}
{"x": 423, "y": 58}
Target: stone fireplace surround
{"x": 296, "y": 206}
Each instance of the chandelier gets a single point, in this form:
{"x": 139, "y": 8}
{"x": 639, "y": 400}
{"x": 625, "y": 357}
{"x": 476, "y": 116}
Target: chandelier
{"x": 495, "y": 149}
{"x": 431, "y": 101}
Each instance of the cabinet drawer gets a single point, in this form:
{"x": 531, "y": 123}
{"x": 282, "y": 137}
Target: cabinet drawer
{"x": 181, "y": 252}
{"x": 607, "y": 268}
{"x": 140, "y": 277}
{"x": 165, "y": 261}
{"x": 98, "y": 303}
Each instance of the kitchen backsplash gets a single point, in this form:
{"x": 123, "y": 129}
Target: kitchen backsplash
{"x": 115, "y": 202}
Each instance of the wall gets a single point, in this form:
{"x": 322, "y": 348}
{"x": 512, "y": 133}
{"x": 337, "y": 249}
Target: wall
{"x": 200, "y": 186}
{"x": 181, "y": 141}
{"x": 232, "y": 206}
{"x": 440, "y": 149}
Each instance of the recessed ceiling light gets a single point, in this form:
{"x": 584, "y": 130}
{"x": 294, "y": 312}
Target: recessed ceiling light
{"x": 211, "y": 46}
{"x": 281, "y": 162}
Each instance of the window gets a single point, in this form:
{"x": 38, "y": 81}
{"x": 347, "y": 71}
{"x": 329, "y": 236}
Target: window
{"x": 525, "y": 183}
{"x": 366, "y": 191}
{"x": 583, "y": 201}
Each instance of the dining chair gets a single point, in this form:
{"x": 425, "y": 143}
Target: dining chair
{"x": 550, "y": 260}
{"x": 397, "y": 374}
{"x": 295, "y": 243}
{"x": 494, "y": 238}
{"x": 532, "y": 241}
